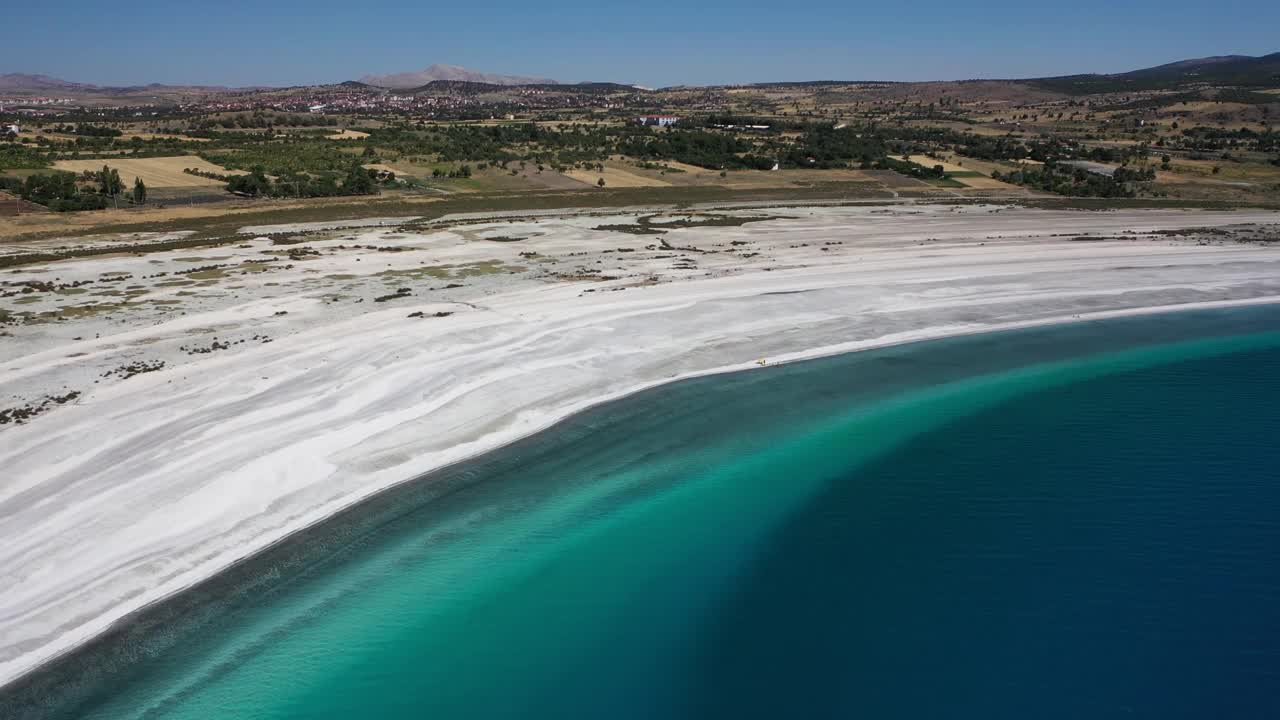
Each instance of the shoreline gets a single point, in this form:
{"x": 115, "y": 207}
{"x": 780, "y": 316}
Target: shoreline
{"x": 163, "y": 608}
{"x": 749, "y": 291}
{"x": 257, "y": 212}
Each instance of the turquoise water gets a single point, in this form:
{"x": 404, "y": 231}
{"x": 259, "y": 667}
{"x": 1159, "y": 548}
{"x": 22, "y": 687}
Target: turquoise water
{"x": 1064, "y": 522}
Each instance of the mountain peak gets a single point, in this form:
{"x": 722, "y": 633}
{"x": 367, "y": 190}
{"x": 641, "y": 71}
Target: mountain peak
{"x": 448, "y": 72}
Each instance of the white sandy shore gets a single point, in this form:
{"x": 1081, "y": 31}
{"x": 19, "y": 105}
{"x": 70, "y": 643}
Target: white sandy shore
{"x": 144, "y": 485}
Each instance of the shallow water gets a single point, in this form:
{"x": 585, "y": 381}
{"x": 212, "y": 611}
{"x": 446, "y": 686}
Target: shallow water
{"x": 1061, "y": 522}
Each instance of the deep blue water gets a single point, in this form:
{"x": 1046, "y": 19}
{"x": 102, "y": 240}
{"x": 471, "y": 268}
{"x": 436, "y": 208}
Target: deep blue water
{"x": 1108, "y": 548}
{"x": 1064, "y": 522}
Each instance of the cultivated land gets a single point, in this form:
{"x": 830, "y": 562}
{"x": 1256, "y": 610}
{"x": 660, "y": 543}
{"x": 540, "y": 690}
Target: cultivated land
{"x": 1197, "y": 132}
{"x": 615, "y": 177}
{"x": 159, "y": 172}
{"x": 347, "y": 135}
{"x": 169, "y": 410}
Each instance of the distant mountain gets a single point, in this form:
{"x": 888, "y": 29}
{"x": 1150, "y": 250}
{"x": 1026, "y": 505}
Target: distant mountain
{"x": 1223, "y": 69}
{"x": 1242, "y": 70}
{"x": 451, "y": 73}
{"x": 1191, "y": 65}
{"x": 19, "y": 81}
{"x": 601, "y": 87}
{"x": 1239, "y": 71}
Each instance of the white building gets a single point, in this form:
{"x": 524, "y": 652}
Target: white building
{"x": 658, "y": 120}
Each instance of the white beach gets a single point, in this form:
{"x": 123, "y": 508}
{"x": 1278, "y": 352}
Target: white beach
{"x": 328, "y": 390}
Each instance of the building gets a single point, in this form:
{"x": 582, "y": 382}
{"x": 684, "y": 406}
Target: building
{"x": 756, "y": 128}
{"x": 658, "y": 120}
{"x": 10, "y": 129}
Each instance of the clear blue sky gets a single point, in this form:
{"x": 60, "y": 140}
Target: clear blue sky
{"x": 650, "y": 42}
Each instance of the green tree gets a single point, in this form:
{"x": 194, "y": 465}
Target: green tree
{"x": 253, "y": 184}
{"x": 109, "y": 181}
{"x": 139, "y": 191}
{"x": 357, "y": 182}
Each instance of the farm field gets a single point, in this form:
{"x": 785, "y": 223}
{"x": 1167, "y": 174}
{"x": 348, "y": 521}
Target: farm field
{"x": 493, "y": 179}
{"x": 161, "y": 172}
{"x": 831, "y": 138}
{"x": 1188, "y": 170}
{"x": 930, "y": 162}
{"x": 347, "y": 135}
{"x": 615, "y": 177}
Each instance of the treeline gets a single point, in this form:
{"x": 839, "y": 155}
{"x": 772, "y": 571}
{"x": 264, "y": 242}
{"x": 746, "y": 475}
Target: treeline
{"x": 911, "y": 169}
{"x": 66, "y": 192}
{"x": 714, "y": 150}
{"x": 14, "y": 156}
{"x": 206, "y": 174}
{"x": 356, "y": 181}
{"x": 100, "y": 131}
{"x": 504, "y": 143}
{"x": 283, "y": 157}
{"x": 1001, "y": 148}
{"x": 826, "y": 146}
{"x": 1063, "y": 179}
{"x": 821, "y": 145}
{"x": 461, "y": 172}
{"x": 262, "y": 120}
{"x": 929, "y": 140}
{"x": 1201, "y": 137}
{"x": 57, "y": 191}
{"x": 559, "y": 147}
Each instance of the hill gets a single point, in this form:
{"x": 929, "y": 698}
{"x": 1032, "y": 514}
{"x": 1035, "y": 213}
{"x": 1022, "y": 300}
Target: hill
{"x": 451, "y": 73}
{"x": 24, "y": 83}
{"x": 456, "y": 87}
{"x": 1241, "y": 70}
{"x": 33, "y": 83}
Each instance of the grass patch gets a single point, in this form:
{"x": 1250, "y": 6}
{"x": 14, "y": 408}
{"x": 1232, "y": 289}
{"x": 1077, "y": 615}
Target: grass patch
{"x": 78, "y": 312}
{"x": 484, "y": 267}
{"x": 211, "y": 274}
{"x": 438, "y": 272}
